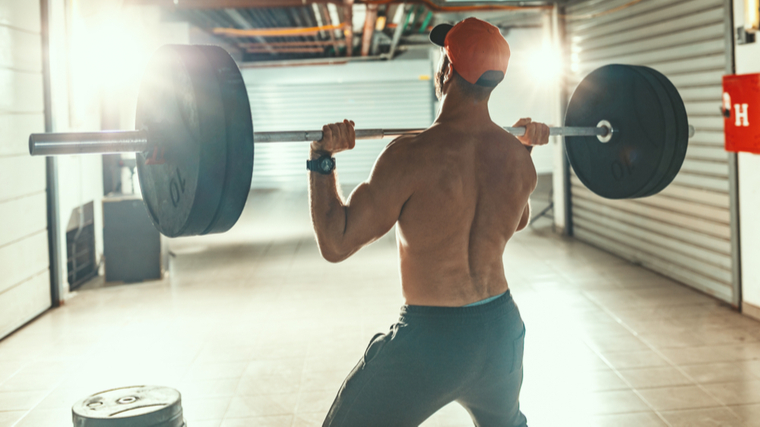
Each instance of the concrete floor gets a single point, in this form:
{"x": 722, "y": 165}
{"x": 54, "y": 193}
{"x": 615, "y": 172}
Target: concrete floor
{"x": 255, "y": 329}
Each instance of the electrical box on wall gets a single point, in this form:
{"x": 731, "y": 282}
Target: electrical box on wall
{"x": 741, "y": 112}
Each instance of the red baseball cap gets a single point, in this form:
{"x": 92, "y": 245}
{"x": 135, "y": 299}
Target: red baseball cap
{"x": 477, "y": 50}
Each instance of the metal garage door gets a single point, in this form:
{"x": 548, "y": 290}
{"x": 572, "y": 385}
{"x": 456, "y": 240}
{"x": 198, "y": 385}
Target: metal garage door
{"x": 396, "y": 94}
{"x": 685, "y": 231}
{"x": 25, "y": 279}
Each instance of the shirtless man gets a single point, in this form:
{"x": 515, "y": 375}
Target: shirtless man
{"x": 458, "y": 191}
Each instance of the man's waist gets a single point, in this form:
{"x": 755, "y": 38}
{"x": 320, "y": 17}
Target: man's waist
{"x": 491, "y": 306}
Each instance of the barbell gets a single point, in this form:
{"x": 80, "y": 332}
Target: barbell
{"x": 626, "y": 130}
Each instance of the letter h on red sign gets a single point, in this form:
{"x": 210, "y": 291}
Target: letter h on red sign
{"x": 741, "y": 112}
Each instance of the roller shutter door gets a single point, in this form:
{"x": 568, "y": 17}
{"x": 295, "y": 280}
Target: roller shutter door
{"x": 683, "y": 232}
{"x": 396, "y": 94}
{"x": 24, "y": 259}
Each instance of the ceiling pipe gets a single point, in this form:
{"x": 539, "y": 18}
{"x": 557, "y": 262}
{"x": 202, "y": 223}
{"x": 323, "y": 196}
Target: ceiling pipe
{"x": 243, "y": 23}
{"x": 447, "y": 6}
{"x": 348, "y": 31}
{"x": 426, "y": 22}
{"x": 276, "y": 32}
{"x": 328, "y": 20}
{"x": 402, "y": 13}
{"x": 305, "y": 62}
{"x": 295, "y": 49}
{"x": 293, "y": 43}
{"x": 369, "y": 28}
{"x": 434, "y": 5}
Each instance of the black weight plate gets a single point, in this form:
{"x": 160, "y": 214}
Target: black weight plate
{"x": 138, "y": 406}
{"x": 188, "y": 101}
{"x": 682, "y": 132}
{"x": 239, "y": 131}
{"x": 625, "y": 165}
{"x": 669, "y": 143}
{"x": 181, "y": 106}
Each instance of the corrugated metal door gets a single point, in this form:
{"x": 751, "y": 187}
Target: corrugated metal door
{"x": 377, "y": 95}
{"x": 24, "y": 259}
{"x": 683, "y": 232}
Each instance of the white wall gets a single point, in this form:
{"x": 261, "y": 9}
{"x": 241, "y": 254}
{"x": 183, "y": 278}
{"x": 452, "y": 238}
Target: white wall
{"x": 748, "y": 61}
{"x": 24, "y": 277}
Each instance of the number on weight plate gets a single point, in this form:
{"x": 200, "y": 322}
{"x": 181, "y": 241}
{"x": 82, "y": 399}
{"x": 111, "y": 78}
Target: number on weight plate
{"x": 621, "y": 170}
{"x": 177, "y": 188}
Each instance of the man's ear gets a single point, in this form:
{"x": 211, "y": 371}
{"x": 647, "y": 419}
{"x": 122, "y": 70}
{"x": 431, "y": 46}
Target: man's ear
{"x": 449, "y": 73}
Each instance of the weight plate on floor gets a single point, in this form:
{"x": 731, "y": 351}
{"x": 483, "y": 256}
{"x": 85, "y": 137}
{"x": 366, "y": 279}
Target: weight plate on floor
{"x": 681, "y": 142}
{"x": 629, "y": 163}
{"x": 138, "y": 406}
{"x": 194, "y": 104}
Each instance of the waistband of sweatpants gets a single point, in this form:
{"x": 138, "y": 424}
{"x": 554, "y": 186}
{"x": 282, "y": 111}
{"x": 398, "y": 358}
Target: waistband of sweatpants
{"x": 499, "y": 306}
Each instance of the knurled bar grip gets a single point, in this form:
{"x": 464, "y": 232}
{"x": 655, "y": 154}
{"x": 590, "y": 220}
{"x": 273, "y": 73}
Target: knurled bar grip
{"x": 52, "y": 144}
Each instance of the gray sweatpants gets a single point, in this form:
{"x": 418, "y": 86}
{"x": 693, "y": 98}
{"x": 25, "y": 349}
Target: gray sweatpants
{"x": 434, "y": 356}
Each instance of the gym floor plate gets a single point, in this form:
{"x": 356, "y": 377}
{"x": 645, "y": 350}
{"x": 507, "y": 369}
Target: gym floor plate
{"x": 137, "y": 406}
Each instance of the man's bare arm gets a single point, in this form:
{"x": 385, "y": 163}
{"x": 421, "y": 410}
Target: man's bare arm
{"x": 525, "y": 219}
{"x": 344, "y": 227}
{"x": 535, "y": 134}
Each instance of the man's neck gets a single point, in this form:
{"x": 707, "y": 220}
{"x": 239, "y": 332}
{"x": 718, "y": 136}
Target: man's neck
{"x": 457, "y": 107}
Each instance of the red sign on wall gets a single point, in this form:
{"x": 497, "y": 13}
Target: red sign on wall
{"x": 741, "y": 112}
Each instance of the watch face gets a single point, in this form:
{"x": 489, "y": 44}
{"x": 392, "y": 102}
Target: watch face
{"x": 326, "y": 164}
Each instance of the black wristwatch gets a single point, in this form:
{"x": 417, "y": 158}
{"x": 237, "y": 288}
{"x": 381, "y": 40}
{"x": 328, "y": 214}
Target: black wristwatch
{"x": 324, "y": 165}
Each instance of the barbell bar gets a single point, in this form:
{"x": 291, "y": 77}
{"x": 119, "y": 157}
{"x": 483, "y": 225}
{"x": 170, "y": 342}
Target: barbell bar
{"x": 53, "y": 144}
{"x": 133, "y": 141}
{"x": 626, "y": 126}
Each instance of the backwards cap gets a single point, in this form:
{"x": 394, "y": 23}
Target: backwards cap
{"x": 476, "y": 49}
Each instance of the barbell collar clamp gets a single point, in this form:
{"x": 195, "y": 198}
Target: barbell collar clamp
{"x": 604, "y": 124}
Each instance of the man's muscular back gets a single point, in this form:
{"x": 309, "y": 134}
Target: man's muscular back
{"x": 457, "y": 193}
{"x": 469, "y": 190}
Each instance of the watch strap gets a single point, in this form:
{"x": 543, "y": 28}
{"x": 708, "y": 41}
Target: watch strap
{"x": 314, "y": 165}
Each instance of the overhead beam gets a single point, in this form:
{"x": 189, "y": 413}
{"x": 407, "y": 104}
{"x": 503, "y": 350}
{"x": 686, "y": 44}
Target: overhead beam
{"x": 348, "y": 29}
{"x": 228, "y": 4}
{"x": 434, "y": 5}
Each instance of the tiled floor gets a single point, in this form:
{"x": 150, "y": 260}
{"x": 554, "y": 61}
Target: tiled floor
{"x": 255, "y": 329}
